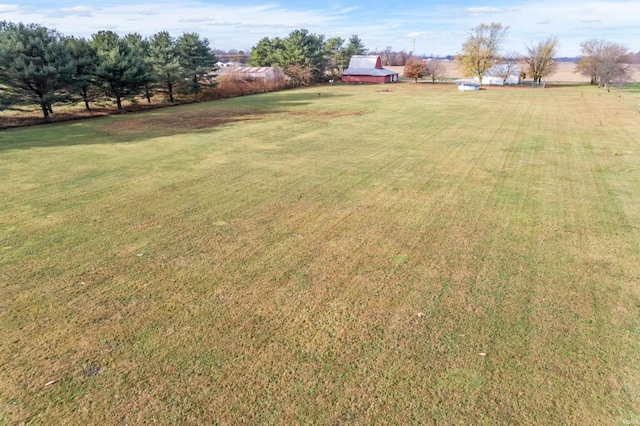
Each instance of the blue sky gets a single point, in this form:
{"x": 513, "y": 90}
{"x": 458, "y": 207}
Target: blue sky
{"x": 436, "y": 27}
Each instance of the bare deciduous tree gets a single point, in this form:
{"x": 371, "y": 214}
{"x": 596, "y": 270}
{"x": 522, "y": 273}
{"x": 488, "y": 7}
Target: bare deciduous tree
{"x": 540, "y": 58}
{"x": 435, "y": 69}
{"x": 604, "y": 62}
{"x": 508, "y": 64}
{"x": 481, "y": 49}
{"x": 588, "y": 63}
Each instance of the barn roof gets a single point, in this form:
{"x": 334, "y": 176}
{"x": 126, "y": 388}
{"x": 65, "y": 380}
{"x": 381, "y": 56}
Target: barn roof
{"x": 257, "y": 71}
{"x": 365, "y": 62}
{"x": 367, "y": 65}
{"x": 368, "y": 71}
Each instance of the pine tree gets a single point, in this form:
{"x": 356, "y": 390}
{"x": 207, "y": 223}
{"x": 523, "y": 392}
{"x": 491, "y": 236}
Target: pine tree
{"x": 85, "y": 61}
{"x": 140, "y": 48}
{"x": 164, "y": 60}
{"x": 197, "y": 61}
{"x": 36, "y": 67}
{"x": 122, "y": 73}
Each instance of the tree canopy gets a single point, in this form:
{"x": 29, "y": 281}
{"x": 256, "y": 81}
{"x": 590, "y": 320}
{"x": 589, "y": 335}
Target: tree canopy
{"x": 481, "y": 50}
{"x": 36, "y": 67}
{"x": 604, "y": 62}
{"x": 121, "y": 71}
{"x": 415, "y": 68}
{"x": 165, "y": 61}
{"x": 196, "y": 60}
{"x": 540, "y": 58}
{"x": 41, "y": 67}
{"x": 303, "y": 53}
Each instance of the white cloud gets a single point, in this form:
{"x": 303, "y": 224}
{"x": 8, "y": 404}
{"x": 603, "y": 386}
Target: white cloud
{"x": 6, "y": 8}
{"x": 84, "y": 11}
{"x": 484, "y": 10}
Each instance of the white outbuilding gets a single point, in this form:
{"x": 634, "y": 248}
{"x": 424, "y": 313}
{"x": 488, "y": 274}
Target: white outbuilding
{"x": 264, "y": 74}
{"x": 495, "y": 75}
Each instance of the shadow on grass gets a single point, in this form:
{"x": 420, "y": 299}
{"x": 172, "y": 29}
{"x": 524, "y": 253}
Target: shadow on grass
{"x": 130, "y": 127}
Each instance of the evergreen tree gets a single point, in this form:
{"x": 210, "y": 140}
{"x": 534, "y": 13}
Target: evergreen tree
{"x": 36, "y": 67}
{"x": 140, "y": 48}
{"x": 354, "y": 47}
{"x": 197, "y": 61}
{"x": 164, "y": 60}
{"x": 334, "y": 56}
{"x": 302, "y": 50}
{"x": 85, "y": 61}
{"x": 263, "y": 54}
{"x": 122, "y": 72}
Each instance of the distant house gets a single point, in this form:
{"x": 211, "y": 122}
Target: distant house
{"x": 228, "y": 64}
{"x": 494, "y": 76}
{"x": 367, "y": 69}
{"x": 264, "y": 74}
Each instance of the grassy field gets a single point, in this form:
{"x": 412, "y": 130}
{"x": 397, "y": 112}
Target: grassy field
{"x": 404, "y": 254}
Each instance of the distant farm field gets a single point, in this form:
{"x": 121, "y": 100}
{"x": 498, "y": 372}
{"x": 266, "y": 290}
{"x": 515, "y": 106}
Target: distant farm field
{"x": 565, "y": 72}
{"x": 403, "y": 254}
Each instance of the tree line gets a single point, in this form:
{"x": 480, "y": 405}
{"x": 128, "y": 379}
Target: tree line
{"x": 41, "y": 67}
{"x": 604, "y": 62}
{"x": 306, "y": 57}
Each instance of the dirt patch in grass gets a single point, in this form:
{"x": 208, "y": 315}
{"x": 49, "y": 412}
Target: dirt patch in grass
{"x": 174, "y": 123}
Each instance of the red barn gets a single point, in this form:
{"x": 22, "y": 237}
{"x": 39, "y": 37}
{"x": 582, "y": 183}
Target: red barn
{"x": 367, "y": 69}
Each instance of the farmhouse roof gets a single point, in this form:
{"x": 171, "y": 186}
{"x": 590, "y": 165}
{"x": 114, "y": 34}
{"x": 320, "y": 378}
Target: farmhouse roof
{"x": 367, "y": 65}
{"x": 498, "y": 70}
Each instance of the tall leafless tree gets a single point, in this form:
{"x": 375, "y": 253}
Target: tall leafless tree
{"x": 435, "y": 69}
{"x": 604, "y": 62}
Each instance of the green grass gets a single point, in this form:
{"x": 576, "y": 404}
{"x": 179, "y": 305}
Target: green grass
{"x": 342, "y": 255}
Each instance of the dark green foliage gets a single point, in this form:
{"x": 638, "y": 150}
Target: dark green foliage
{"x": 354, "y": 47}
{"x": 197, "y": 61}
{"x": 302, "y": 51}
{"x": 164, "y": 60}
{"x": 140, "y": 48}
{"x": 263, "y": 54}
{"x": 36, "y": 67}
{"x": 85, "y": 60}
{"x": 121, "y": 71}
{"x": 334, "y": 56}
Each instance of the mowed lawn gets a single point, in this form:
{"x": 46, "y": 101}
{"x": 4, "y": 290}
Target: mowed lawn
{"x": 403, "y": 254}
